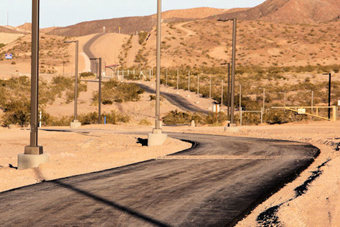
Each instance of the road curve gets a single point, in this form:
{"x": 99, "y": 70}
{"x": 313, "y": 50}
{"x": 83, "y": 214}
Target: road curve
{"x": 176, "y": 100}
{"x": 215, "y": 183}
{"x": 88, "y": 52}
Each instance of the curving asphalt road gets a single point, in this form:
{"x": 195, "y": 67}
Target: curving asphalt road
{"x": 215, "y": 183}
{"x": 176, "y": 100}
{"x": 88, "y": 52}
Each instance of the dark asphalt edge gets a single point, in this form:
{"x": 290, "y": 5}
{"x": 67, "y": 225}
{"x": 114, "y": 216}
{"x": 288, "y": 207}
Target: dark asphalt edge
{"x": 96, "y": 172}
{"x": 278, "y": 187}
{"x": 244, "y": 214}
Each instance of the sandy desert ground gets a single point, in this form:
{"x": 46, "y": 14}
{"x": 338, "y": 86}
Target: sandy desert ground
{"x": 73, "y": 153}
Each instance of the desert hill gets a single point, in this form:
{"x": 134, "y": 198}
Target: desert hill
{"x": 290, "y": 11}
{"x": 132, "y": 25}
{"x": 128, "y": 25}
{"x": 9, "y": 29}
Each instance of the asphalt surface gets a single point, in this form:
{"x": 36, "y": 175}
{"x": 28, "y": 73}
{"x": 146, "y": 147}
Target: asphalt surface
{"x": 88, "y": 52}
{"x": 176, "y": 100}
{"x": 215, "y": 183}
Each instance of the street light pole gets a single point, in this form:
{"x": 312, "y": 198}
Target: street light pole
{"x": 233, "y": 72}
{"x": 229, "y": 96}
{"x": 158, "y": 62}
{"x": 240, "y": 105}
{"x": 33, "y": 148}
{"x": 75, "y": 123}
{"x": 329, "y": 93}
{"x": 210, "y": 88}
{"x": 100, "y": 88}
{"x": 157, "y": 138}
{"x": 264, "y": 97}
{"x": 33, "y": 155}
{"x": 222, "y": 94}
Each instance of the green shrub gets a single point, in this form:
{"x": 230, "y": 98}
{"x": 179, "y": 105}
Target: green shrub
{"x": 112, "y": 118}
{"x": 87, "y": 74}
{"x": 114, "y": 91}
{"x": 144, "y": 122}
{"x": 142, "y": 37}
{"x": 16, "y": 112}
{"x": 176, "y": 117}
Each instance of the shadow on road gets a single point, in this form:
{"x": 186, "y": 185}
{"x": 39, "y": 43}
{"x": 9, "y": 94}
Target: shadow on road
{"x": 112, "y": 204}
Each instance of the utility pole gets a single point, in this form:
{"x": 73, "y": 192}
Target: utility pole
{"x": 75, "y": 123}
{"x": 189, "y": 81}
{"x": 264, "y": 97}
{"x": 240, "y": 105}
{"x": 177, "y": 79}
{"x": 33, "y": 155}
{"x": 100, "y": 88}
{"x": 210, "y": 88}
{"x": 232, "y": 123}
{"x": 157, "y": 138}
{"x": 222, "y": 94}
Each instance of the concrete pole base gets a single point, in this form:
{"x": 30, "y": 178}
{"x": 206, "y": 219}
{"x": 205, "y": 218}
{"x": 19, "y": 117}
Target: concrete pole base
{"x": 27, "y": 161}
{"x": 156, "y": 138}
{"x": 75, "y": 124}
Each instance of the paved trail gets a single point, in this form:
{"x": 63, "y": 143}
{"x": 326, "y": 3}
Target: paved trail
{"x": 215, "y": 183}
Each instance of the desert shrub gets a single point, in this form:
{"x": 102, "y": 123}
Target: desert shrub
{"x": 213, "y": 118}
{"x": 142, "y": 37}
{"x": 114, "y": 91}
{"x": 176, "y": 117}
{"x": 16, "y": 112}
{"x": 145, "y": 122}
{"x": 89, "y": 118}
{"x": 2, "y": 45}
{"x": 114, "y": 117}
{"x": 87, "y": 74}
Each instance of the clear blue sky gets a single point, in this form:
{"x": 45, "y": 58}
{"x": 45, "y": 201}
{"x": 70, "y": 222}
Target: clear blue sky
{"x": 69, "y": 12}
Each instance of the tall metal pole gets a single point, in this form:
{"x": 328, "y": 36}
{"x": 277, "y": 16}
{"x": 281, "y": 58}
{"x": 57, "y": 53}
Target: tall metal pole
{"x": 158, "y": 62}
{"x": 329, "y": 95}
{"x": 240, "y": 105}
{"x": 222, "y": 94}
{"x": 210, "y": 88}
{"x": 76, "y": 82}
{"x": 100, "y": 91}
{"x": 284, "y": 99}
{"x": 33, "y": 148}
{"x": 233, "y": 71}
{"x": 229, "y": 98}
{"x": 264, "y": 97}
{"x": 177, "y": 78}
{"x": 189, "y": 81}
{"x": 198, "y": 86}
{"x": 312, "y": 101}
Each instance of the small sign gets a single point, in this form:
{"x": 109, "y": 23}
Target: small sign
{"x": 301, "y": 111}
{"x": 8, "y": 56}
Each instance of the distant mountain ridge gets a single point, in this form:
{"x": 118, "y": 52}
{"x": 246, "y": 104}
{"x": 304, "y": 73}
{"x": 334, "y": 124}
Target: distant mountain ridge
{"x": 278, "y": 11}
{"x": 290, "y": 11}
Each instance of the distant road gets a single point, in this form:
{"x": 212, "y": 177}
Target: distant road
{"x": 215, "y": 183}
{"x": 88, "y": 52}
{"x": 176, "y": 100}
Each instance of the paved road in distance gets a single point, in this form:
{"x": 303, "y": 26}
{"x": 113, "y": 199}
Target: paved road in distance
{"x": 213, "y": 184}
